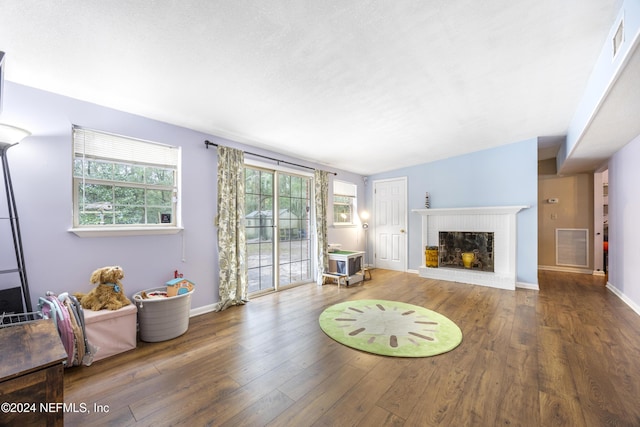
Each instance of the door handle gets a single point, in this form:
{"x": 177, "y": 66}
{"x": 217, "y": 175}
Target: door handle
{"x": 402, "y": 230}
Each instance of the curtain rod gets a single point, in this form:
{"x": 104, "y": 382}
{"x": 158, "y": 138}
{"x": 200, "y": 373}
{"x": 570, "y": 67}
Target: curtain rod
{"x": 207, "y": 143}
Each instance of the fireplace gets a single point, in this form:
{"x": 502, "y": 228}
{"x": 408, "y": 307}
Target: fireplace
{"x": 477, "y": 244}
{"x": 491, "y": 231}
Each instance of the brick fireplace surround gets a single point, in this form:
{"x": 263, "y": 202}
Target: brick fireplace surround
{"x": 501, "y": 220}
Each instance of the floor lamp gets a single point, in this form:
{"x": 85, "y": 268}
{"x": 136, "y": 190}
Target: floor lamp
{"x": 10, "y": 136}
{"x": 364, "y": 216}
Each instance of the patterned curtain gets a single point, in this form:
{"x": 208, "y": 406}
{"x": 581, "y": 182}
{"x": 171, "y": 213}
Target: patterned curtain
{"x": 321, "y": 198}
{"x": 232, "y": 248}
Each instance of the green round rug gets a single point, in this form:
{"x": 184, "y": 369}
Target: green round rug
{"x": 390, "y": 328}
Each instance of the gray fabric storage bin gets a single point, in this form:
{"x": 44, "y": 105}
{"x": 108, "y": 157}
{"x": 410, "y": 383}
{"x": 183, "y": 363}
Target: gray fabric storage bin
{"x": 162, "y": 319}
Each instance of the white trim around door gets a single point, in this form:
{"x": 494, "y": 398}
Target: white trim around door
{"x": 390, "y": 221}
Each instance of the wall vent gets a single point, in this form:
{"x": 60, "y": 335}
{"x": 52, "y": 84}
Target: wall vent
{"x": 572, "y": 247}
{"x": 618, "y": 38}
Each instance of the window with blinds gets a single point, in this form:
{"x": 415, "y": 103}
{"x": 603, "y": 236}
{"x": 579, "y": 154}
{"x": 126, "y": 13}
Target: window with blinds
{"x": 344, "y": 202}
{"x": 121, "y": 181}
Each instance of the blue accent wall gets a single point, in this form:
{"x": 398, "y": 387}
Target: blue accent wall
{"x": 503, "y": 176}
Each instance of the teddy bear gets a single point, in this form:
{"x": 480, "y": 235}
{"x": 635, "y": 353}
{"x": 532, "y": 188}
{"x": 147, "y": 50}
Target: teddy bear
{"x": 108, "y": 293}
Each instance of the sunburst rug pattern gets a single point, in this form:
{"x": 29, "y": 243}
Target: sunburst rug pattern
{"x": 390, "y": 328}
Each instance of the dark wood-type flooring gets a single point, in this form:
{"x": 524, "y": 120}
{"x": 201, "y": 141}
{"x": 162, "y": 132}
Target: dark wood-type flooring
{"x": 566, "y": 355}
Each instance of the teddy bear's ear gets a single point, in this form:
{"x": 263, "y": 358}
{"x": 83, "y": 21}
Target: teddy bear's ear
{"x": 96, "y": 276}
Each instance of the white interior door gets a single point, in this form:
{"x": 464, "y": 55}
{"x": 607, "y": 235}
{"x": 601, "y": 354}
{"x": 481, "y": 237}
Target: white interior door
{"x": 390, "y": 224}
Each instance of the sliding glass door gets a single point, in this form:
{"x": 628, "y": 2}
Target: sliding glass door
{"x": 259, "y": 225}
{"x": 278, "y": 207}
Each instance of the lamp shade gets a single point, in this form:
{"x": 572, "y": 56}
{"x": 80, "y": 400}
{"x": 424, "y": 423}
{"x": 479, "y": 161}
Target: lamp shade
{"x": 10, "y": 135}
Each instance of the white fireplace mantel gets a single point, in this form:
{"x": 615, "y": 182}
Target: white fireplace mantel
{"x": 483, "y": 210}
{"x": 500, "y": 220}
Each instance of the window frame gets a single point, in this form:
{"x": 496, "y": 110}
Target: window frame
{"x": 98, "y": 230}
{"x": 347, "y": 190}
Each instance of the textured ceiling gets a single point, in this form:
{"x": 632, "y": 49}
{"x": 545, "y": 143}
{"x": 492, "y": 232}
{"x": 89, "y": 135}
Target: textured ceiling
{"x": 365, "y": 86}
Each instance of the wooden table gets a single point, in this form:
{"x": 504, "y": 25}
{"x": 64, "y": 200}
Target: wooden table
{"x": 31, "y": 374}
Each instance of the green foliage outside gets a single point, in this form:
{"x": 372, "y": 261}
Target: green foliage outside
{"x": 293, "y": 193}
{"x": 111, "y": 193}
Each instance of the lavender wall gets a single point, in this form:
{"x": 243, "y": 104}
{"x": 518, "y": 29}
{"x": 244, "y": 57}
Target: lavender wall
{"x": 624, "y": 228}
{"x": 58, "y": 260}
{"x": 506, "y": 175}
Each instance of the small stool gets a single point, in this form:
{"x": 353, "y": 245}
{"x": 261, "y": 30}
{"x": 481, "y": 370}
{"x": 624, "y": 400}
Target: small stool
{"x": 364, "y": 272}
{"x": 335, "y": 276}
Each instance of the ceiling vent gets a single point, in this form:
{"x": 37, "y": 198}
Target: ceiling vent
{"x": 618, "y": 38}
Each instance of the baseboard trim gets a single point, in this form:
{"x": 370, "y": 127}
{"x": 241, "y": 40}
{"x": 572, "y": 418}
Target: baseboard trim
{"x": 202, "y": 310}
{"x": 635, "y": 307}
{"x": 524, "y": 285}
{"x": 565, "y": 269}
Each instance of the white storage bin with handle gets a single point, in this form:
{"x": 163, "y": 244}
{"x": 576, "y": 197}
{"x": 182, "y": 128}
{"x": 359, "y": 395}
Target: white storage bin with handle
{"x": 162, "y": 317}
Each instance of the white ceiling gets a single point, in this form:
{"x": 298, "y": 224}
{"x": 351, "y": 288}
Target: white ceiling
{"x": 365, "y": 86}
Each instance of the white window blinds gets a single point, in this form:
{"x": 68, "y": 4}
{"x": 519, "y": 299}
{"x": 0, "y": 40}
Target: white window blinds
{"x": 100, "y": 145}
{"x": 344, "y": 189}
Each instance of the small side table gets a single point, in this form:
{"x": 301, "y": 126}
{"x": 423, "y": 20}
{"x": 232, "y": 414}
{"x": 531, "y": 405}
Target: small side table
{"x": 350, "y": 263}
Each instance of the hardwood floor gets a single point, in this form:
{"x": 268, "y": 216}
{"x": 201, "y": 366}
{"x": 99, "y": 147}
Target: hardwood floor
{"x": 566, "y": 355}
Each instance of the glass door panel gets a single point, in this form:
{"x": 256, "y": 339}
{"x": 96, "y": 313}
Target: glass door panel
{"x": 259, "y": 229}
{"x": 294, "y": 206}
